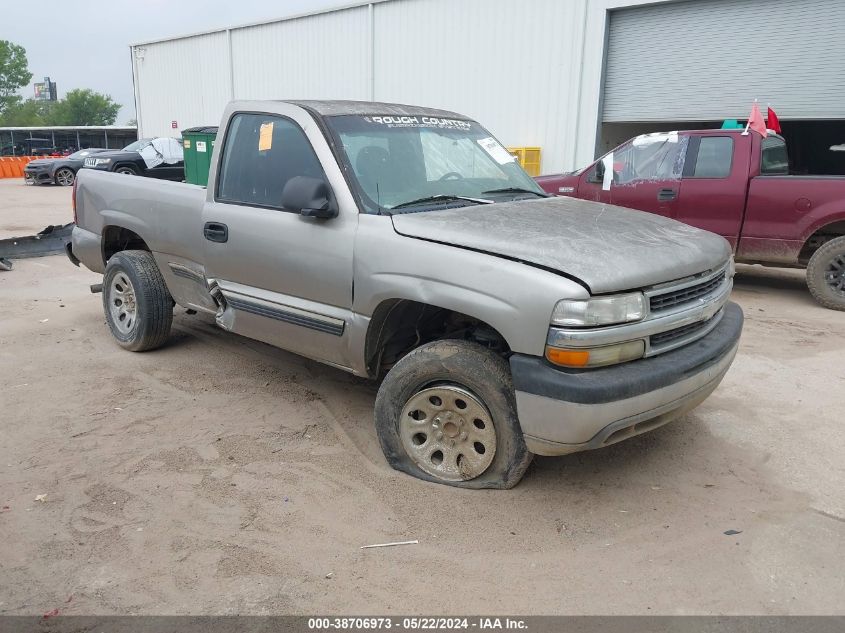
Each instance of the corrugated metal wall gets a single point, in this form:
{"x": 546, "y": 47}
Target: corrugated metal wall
{"x": 184, "y": 80}
{"x": 708, "y": 60}
{"x": 513, "y": 69}
{"x": 324, "y": 56}
{"x": 510, "y": 68}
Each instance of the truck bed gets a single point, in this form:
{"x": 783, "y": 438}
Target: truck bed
{"x": 168, "y": 214}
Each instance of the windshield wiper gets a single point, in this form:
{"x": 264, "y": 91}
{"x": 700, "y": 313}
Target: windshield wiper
{"x": 441, "y": 198}
{"x": 517, "y": 190}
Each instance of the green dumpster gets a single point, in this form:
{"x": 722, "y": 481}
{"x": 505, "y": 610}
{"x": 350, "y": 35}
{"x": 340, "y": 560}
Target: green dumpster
{"x": 198, "y": 143}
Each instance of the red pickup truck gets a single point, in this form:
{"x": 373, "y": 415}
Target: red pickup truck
{"x": 737, "y": 185}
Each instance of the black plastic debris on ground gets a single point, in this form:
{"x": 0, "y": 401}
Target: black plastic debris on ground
{"x": 47, "y": 242}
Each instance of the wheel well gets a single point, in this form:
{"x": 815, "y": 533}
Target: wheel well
{"x": 818, "y": 239}
{"x": 399, "y": 326}
{"x": 117, "y": 238}
{"x": 130, "y": 165}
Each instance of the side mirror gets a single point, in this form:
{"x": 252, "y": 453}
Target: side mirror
{"x": 311, "y": 197}
{"x": 599, "y": 172}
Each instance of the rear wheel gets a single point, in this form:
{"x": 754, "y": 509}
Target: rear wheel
{"x": 126, "y": 170}
{"x": 446, "y": 413}
{"x": 65, "y": 177}
{"x": 826, "y": 274}
{"x": 138, "y": 306}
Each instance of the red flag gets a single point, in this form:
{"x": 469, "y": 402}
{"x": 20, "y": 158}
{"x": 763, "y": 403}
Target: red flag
{"x": 772, "y": 121}
{"x": 755, "y": 121}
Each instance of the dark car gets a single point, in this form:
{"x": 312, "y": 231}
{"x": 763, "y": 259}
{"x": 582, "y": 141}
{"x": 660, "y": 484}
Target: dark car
{"x": 60, "y": 171}
{"x": 144, "y": 157}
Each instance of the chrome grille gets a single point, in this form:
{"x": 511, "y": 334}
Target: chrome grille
{"x": 663, "y": 338}
{"x": 676, "y": 298}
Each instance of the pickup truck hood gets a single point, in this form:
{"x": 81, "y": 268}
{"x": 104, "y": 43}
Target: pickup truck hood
{"x": 607, "y": 248}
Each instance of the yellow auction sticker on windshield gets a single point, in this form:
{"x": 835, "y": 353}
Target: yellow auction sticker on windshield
{"x": 265, "y": 137}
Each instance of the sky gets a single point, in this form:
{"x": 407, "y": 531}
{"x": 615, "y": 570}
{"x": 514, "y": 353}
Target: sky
{"x": 85, "y": 43}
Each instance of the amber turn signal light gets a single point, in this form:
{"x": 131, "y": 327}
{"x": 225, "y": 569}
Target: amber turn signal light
{"x": 568, "y": 357}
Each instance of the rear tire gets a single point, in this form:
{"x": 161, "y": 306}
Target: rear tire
{"x": 826, "y": 274}
{"x": 64, "y": 177}
{"x": 446, "y": 413}
{"x": 138, "y": 306}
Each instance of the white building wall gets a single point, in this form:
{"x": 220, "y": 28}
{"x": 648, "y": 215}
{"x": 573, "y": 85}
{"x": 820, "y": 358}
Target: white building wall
{"x": 184, "y": 80}
{"x": 510, "y": 65}
{"x": 529, "y": 70}
{"x": 325, "y": 56}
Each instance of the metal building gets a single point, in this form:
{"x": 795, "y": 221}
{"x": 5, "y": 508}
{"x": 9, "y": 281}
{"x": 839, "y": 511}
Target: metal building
{"x": 28, "y": 141}
{"x": 573, "y": 77}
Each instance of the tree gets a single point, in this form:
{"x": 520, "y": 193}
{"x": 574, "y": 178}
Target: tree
{"x": 29, "y": 113}
{"x": 14, "y": 73}
{"x": 85, "y": 107}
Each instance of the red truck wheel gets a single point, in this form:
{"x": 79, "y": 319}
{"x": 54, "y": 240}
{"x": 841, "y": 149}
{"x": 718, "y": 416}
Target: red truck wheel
{"x": 826, "y": 274}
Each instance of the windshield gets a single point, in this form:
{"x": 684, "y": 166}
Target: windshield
{"x": 134, "y": 147}
{"x": 420, "y": 163}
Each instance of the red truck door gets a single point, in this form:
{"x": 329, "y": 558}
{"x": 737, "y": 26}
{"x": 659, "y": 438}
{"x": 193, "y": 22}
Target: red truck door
{"x": 590, "y": 186}
{"x": 715, "y": 178}
{"x": 647, "y": 173}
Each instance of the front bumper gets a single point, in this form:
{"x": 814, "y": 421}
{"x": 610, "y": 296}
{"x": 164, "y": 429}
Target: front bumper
{"x": 33, "y": 177}
{"x": 565, "y": 411}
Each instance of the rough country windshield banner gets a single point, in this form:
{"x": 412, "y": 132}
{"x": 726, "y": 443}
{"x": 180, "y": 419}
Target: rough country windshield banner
{"x": 419, "y": 121}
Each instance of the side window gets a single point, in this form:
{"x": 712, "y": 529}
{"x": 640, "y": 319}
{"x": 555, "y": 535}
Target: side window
{"x": 775, "y": 160}
{"x": 261, "y": 154}
{"x": 715, "y": 155}
{"x": 657, "y": 156}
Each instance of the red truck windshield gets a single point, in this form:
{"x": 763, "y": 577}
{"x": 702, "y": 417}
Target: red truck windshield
{"x": 421, "y": 162}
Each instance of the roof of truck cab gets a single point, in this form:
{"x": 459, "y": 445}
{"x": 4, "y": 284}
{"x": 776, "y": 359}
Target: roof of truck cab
{"x": 340, "y": 108}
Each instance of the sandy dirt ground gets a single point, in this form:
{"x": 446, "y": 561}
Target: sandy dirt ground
{"x": 222, "y": 476}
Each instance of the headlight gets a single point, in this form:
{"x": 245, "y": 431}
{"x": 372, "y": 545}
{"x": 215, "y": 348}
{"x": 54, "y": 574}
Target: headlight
{"x": 599, "y": 310}
{"x": 596, "y": 356}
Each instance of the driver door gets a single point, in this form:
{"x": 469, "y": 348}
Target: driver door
{"x": 286, "y": 279}
{"x": 647, "y": 173}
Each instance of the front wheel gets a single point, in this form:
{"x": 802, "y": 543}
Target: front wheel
{"x": 138, "y": 306}
{"x": 826, "y": 274}
{"x": 65, "y": 177}
{"x": 446, "y": 413}
{"x": 126, "y": 170}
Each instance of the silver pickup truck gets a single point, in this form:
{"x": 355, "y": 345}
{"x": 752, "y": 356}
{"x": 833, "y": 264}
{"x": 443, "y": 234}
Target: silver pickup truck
{"x": 406, "y": 245}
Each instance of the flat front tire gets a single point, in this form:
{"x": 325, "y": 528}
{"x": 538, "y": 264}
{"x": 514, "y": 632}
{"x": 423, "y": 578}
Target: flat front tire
{"x": 446, "y": 413}
{"x": 137, "y": 304}
{"x": 826, "y": 274}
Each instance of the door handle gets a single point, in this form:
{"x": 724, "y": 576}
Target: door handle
{"x": 215, "y": 232}
{"x": 664, "y": 195}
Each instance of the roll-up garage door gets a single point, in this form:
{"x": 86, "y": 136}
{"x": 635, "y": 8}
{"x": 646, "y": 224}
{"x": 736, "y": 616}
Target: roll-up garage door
{"x": 700, "y": 60}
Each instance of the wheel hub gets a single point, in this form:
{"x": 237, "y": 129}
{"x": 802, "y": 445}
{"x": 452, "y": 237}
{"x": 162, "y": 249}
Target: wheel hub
{"x": 448, "y": 433}
{"x": 122, "y": 303}
{"x": 835, "y": 274}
